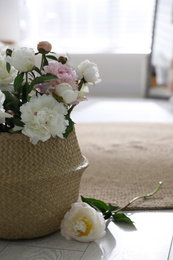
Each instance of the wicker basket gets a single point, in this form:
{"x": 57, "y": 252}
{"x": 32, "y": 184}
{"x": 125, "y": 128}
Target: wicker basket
{"x": 38, "y": 184}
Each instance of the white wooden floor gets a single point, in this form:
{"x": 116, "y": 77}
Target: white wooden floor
{"x": 154, "y": 235}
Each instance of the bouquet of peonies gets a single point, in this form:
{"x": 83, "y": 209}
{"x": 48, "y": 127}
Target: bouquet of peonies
{"x": 38, "y": 100}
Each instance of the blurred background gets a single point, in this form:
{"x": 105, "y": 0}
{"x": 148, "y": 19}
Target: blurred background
{"x": 131, "y": 41}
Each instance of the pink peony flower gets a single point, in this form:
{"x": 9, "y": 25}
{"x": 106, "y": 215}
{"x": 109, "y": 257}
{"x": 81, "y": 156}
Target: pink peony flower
{"x": 43, "y": 88}
{"x": 64, "y": 74}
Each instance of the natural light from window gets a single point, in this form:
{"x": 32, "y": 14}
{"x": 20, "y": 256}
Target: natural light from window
{"x": 89, "y": 26}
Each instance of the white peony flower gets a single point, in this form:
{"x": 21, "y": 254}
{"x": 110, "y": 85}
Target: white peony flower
{"x": 90, "y": 71}
{"x": 83, "y": 223}
{"x": 3, "y": 114}
{"x": 66, "y": 91}
{"x": 43, "y": 117}
{"x": 22, "y": 59}
{"x": 6, "y": 78}
{"x": 2, "y": 98}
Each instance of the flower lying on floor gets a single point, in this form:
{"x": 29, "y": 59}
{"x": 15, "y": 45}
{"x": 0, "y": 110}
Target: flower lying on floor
{"x": 85, "y": 221}
{"x": 38, "y": 101}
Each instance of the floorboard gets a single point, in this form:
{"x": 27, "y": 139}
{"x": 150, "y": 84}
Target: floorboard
{"x": 3, "y": 244}
{"x": 151, "y": 240}
{"x": 16, "y": 252}
{"x": 170, "y": 257}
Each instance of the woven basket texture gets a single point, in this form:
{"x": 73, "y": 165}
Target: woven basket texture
{"x": 38, "y": 184}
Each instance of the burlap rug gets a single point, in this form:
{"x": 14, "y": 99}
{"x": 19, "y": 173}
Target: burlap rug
{"x": 127, "y": 160}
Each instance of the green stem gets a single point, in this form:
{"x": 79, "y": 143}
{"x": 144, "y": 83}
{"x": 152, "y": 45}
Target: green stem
{"x": 26, "y": 78}
{"x": 42, "y": 61}
{"x": 70, "y": 110}
{"x": 81, "y": 84}
{"x": 141, "y": 197}
{"x": 25, "y": 89}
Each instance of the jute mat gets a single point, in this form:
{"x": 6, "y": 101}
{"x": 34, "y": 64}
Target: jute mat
{"x": 127, "y": 160}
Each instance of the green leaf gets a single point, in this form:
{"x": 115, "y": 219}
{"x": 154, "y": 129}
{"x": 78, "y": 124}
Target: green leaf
{"x": 45, "y": 62}
{"x": 8, "y": 67}
{"x": 43, "y": 78}
{"x": 31, "y": 74}
{"x": 17, "y": 121}
{"x": 51, "y": 57}
{"x": 112, "y": 208}
{"x": 11, "y": 101}
{"x": 107, "y": 214}
{"x": 69, "y": 128}
{"x": 100, "y": 205}
{"x": 121, "y": 218}
{"x": 37, "y": 70}
{"x": 12, "y": 131}
{"x": 18, "y": 81}
{"x": 50, "y": 74}
{"x": 87, "y": 200}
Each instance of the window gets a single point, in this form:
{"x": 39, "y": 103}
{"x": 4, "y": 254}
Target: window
{"x": 88, "y": 25}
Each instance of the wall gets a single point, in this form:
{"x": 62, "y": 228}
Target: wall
{"x": 123, "y": 75}
{"x": 9, "y": 20}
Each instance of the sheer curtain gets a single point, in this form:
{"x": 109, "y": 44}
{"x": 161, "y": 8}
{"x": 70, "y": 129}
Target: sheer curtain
{"x": 88, "y": 26}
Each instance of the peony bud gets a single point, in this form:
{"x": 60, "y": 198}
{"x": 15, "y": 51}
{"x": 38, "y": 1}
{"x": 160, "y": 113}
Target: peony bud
{"x": 22, "y": 59}
{"x": 44, "y": 47}
{"x": 62, "y": 59}
{"x": 90, "y": 71}
{"x": 65, "y": 91}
